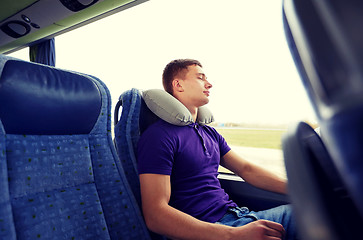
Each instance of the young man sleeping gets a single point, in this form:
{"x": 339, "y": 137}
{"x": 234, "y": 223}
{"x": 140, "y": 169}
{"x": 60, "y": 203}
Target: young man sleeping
{"x": 178, "y": 167}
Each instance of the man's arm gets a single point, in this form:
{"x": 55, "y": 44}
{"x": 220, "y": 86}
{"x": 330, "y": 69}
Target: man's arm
{"x": 253, "y": 174}
{"x": 168, "y": 221}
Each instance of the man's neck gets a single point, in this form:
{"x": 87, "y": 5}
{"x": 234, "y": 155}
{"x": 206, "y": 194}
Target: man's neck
{"x": 192, "y": 109}
{"x": 194, "y": 112}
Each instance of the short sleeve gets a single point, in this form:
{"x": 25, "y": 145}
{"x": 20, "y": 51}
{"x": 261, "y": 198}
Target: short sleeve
{"x": 223, "y": 145}
{"x": 155, "y": 151}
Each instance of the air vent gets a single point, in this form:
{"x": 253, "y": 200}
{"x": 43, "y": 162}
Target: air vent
{"x": 15, "y": 29}
{"x": 77, "y": 5}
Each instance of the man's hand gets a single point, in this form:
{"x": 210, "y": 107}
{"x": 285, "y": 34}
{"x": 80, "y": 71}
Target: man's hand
{"x": 260, "y": 230}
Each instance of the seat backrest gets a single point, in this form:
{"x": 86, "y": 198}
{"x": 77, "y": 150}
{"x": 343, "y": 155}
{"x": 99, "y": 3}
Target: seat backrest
{"x": 140, "y": 109}
{"x": 135, "y": 118}
{"x": 127, "y": 134}
{"x": 324, "y": 209}
{"x": 326, "y": 42}
{"x": 59, "y": 173}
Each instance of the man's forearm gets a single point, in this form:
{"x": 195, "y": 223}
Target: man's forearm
{"x": 253, "y": 174}
{"x": 262, "y": 178}
{"x": 175, "y": 224}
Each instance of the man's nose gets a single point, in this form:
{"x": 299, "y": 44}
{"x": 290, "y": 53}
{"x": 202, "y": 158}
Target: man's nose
{"x": 208, "y": 85}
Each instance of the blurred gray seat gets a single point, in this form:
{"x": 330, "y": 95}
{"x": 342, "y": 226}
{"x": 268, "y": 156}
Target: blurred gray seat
{"x": 326, "y": 43}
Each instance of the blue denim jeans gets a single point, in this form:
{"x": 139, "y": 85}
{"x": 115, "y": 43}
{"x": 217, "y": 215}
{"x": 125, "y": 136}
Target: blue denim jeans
{"x": 236, "y": 217}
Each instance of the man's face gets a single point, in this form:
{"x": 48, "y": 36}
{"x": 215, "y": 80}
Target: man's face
{"x": 195, "y": 86}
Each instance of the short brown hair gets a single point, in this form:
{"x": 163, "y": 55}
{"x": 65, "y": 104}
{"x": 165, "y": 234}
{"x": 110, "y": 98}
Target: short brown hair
{"x": 174, "y": 68}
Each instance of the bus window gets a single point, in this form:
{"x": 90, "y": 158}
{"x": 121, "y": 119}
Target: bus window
{"x": 256, "y": 90}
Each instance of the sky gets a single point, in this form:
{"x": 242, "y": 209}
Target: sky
{"x": 240, "y": 43}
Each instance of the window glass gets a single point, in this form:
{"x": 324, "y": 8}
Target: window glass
{"x": 256, "y": 90}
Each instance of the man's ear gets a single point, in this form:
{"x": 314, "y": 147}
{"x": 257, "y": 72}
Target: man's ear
{"x": 177, "y": 85}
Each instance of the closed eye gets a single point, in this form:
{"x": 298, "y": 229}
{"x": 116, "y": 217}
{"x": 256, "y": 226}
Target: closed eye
{"x": 202, "y": 76}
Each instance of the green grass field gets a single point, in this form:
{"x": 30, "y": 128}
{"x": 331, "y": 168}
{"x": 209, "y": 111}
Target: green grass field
{"x": 259, "y": 138}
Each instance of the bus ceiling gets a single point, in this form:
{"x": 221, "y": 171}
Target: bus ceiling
{"x": 27, "y": 22}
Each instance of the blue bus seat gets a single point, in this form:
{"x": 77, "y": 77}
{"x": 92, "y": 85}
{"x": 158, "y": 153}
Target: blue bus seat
{"x": 322, "y": 205}
{"x": 140, "y": 109}
{"x": 325, "y": 41}
{"x": 60, "y": 177}
{"x": 127, "y": 133}
{"x": 134, "y": 119}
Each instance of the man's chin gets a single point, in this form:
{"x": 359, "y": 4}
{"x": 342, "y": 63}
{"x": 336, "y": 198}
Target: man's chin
{"x": 205, "y": 102}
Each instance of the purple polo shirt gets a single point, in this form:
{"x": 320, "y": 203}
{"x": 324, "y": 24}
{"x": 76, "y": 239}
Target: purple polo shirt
{"x": 190, "y": 155}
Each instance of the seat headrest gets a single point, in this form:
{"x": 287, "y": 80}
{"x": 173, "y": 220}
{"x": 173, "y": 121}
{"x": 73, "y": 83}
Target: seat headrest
{"x": 38, "y": 99}
{"x": 168, "y": 108}
{"x": 326, "y": 43}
